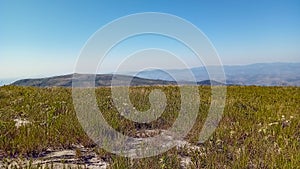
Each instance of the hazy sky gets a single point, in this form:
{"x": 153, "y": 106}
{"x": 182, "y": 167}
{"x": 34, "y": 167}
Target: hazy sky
{"x": 44, "y": 38}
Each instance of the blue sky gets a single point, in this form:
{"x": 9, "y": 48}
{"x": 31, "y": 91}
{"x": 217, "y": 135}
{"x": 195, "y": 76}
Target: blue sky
{"x": 44, "y": 38}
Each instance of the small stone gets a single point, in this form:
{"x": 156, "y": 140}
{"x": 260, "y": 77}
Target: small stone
{"x": 285, "y": 123}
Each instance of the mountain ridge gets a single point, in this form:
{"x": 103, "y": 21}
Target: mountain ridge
{"x": 259, "y": 74}
{"x": 100, "y": 80}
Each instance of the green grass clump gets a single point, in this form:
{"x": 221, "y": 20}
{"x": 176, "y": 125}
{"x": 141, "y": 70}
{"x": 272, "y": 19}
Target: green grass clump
{"x": 260, "y": 126}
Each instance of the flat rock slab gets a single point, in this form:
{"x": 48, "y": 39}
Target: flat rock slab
{"x": 59, "y": 159}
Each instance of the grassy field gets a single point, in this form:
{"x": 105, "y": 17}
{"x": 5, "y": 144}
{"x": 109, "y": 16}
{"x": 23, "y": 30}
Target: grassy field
{"x": 260, "y": 127}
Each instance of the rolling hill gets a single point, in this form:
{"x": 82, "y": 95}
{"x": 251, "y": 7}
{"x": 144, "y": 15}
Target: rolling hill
{"x": 100, "y": 80}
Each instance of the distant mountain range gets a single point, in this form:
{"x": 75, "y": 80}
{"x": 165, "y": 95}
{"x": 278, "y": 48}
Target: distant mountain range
{"x": 262, "y": 74}
{"x": 100, "y": 80}
{"x": 6, "y": 81}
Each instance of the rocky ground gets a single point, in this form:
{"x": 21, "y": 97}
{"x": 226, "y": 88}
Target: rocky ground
{"x": 81, "y": 157}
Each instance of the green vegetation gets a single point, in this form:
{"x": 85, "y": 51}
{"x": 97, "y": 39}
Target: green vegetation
{"x": 260, "y": 126}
